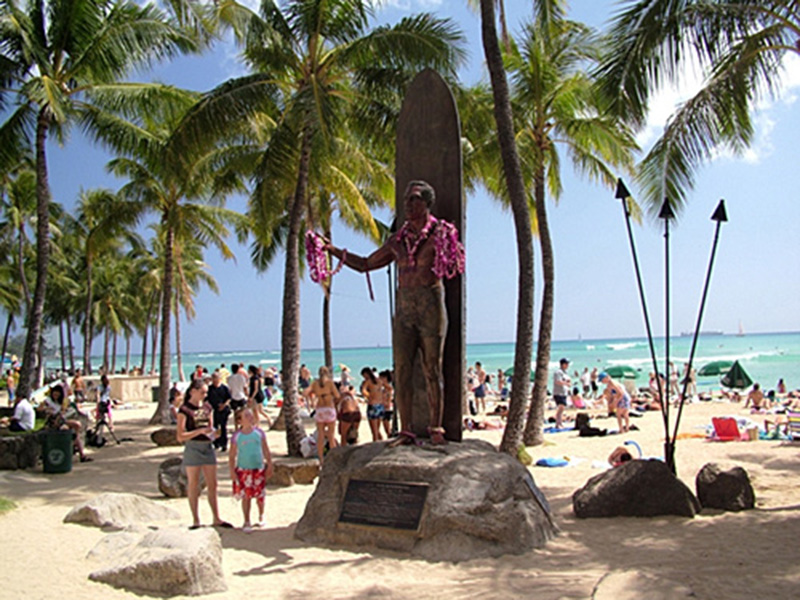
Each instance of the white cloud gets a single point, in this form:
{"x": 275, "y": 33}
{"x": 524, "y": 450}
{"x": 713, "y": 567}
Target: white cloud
{"x": 409, "y": 5}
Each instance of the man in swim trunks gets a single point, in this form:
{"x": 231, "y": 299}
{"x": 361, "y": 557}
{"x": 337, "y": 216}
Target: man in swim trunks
{"x": 421, "y": 317}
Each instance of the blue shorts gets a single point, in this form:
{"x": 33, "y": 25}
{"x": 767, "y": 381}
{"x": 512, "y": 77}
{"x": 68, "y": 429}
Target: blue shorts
{"x": 375, "y": 411}
{"x": 560, "y": 400}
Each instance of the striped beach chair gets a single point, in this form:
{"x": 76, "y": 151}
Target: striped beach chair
{"x": 793, "y": 425}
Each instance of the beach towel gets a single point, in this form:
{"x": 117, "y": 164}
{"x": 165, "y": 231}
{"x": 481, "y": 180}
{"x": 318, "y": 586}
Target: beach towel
{"x": 794, "y": 424}
{"x": 555, "y": 429}
{"x": 552, "y": 462}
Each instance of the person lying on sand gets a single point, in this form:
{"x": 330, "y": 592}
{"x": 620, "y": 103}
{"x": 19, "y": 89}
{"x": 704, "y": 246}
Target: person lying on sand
{"x": 619, "y": 456}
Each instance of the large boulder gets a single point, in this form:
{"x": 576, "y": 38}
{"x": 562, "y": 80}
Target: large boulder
{"x": 726, "y": 490}
{"x": 168, "y": 562}
{"x": 166, "y": 436}
{"x": 289, "y": 471}
{"x": 117, "y": 511}
{"x": 639, "y": 488}
{"x": 479, "y": 503}
{"x": 172, "y": 480}
{"x": 20, "y": 451}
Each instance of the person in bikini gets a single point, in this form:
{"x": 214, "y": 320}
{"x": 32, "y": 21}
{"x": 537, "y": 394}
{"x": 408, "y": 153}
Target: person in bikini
{"x": 327, "y": 396}
{"x": 426, "y": 251}
{"x": 387, "y": 391}
{"x": 373, "y": 392}
{"x": 349, "y": 417}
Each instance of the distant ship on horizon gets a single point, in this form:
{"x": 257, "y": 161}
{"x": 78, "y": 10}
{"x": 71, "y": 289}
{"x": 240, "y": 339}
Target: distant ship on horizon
{"x": 703, "y": 333}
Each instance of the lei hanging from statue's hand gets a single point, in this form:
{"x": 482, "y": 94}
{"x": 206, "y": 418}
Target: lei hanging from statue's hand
{"x": 317, "y": 258}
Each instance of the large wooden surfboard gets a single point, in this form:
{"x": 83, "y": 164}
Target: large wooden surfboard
{"x": 429, "y": 148}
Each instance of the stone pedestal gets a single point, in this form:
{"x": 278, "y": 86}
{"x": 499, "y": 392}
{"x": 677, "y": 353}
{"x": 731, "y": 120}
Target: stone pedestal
{"x": 479, "y": 502}
{"x": 289, "y": 471}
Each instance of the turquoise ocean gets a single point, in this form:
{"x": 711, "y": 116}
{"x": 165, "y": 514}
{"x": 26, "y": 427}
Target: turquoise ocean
{"x": 767, "y": 357}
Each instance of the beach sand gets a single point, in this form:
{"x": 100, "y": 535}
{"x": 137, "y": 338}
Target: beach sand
{"x": 753, "y": 554}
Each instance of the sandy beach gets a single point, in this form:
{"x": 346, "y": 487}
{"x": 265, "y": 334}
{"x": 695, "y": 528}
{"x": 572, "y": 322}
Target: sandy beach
{"x": 717, "y": 555}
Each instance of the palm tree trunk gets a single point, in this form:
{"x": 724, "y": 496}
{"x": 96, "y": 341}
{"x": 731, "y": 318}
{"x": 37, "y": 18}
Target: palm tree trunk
{"x": 42, "y": 258}
{"x": 114, "y": 352}
{"x": 144, "y": 334}
{"x": 181, "y": 376}
{"x": 71, "y": 346}
{"x": 534, "y": 433}
{"x": 88, "y": 334}
{"x": 161, "y": 415}
{"x": 156, "y": 327}
{"x": 9, "y": 323}
{"x": 26, "y": 290}
{"x": 290, "y": 327}
{"x": 501, "y": 9}
{"x": 127, "y": 352}
{"x": 512, "y": 436}
{"x": 39, "y": 380}
{"x": 327, "y": 342}
{"x": 106, "y": 337}
{"x": 61, "y": 344}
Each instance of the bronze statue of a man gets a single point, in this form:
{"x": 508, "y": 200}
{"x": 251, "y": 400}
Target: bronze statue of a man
{"x": 427, "y": 250}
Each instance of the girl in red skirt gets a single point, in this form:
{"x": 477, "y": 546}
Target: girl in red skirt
{"x": 248, "y": 454}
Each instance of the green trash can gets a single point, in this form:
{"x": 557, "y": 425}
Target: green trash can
{"x": 57, "y": 451}
{"x": 155, "y": 390}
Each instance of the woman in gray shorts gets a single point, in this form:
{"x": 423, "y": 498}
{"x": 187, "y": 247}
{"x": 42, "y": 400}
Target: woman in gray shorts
{"x": 196, "y": 432}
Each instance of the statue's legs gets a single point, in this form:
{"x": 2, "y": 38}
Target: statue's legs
{"x": 420, "y": 324}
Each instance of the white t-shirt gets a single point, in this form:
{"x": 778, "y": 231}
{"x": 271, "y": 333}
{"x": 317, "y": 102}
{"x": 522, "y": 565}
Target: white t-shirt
{"x": 586, "y": 379}
{"x": 23, "y": 413}
{"x": 237, "y": 384}
{"x": 561, "y": 383}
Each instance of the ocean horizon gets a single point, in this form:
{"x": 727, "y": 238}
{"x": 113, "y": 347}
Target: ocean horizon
{"x": 767, "y": 357}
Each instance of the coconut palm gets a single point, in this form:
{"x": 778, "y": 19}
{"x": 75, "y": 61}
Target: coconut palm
{"x": 313, "y": 61}
{"x": 55, "y": 56}
{"x": 512, "y": 436}
{"x": 556, "y": 111}
{"x": 740, "y": 47}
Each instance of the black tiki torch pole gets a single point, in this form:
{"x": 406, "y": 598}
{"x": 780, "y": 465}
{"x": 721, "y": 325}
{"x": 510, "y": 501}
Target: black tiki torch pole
{"x": 623, "y": 194}
{"x": 669, "y": 451}
{"x": 720, "y": 216}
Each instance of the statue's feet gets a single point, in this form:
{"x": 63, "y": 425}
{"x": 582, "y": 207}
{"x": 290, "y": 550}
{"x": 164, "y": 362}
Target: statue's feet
{"x": 404, "y": 438}
{"x": 437, "y": 436}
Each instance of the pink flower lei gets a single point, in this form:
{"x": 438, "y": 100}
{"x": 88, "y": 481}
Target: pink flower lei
{"x": 317, "y": 258}
{"x": 449, "y": 258}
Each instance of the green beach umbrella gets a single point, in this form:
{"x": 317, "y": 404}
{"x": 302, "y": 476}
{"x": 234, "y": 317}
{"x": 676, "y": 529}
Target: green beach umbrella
{"x": 510, "y": 373}
{"x": 736, "y": 377}
{"x": 714, "y": 368}
{"x": 622, "y": 372}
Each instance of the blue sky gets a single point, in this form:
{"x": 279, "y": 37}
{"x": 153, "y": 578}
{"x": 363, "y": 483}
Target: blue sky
{"x": 756, "y": 278}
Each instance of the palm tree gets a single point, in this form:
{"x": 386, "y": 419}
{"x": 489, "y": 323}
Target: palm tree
{"x": 55, "y": 57}
{"x": 313, "y": 62}
{"x": 512, "y": 436}
{"x": 740, "y": 47}
{"x": 179, "y": 191}
{"x": 555, "y": 106}
{"x": 101, "y": 220}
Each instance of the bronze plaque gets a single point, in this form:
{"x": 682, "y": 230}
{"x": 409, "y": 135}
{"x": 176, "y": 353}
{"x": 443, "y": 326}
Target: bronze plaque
{"x": 391, "y": 504}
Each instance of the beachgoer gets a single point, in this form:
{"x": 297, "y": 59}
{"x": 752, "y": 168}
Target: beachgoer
{"x": 620, "y": 400}
{"x": 324, "y": 391}
{"x": 373, "y": 392}
{"x": 11, "y": 386}
{"x": 24, "y": 417}
{"x": 387, "y": 393}
{"x": 175, "y": 402}
{"x": 219, "y": 397}
{"x": 344, "y": 378}
{"x": 561, "y": 383}
{"x": 673, "y": 382}
{"x": 197, "y": 373}
{"x": 255, "y": 399}
{"x": 304, "y": 378}
{"x": 104, "y": 402}
{"x": 781, "y": 387}
{"x": 246, "y": 463}
{"x": 422, "y": 244}
{"x": 480, "y": 389}
{"x": 196, "y": 432}
{"x": 593, "y": 382}
{"x": 224, "y": 373}
{"x": 586, "y": 382}
{"x": 79, "y": 386}
{"x": 237, "y": 385}
{"x": 55, "y": 407}
{"x": 691, "y": 375}
{"x": 619, "y": 456}
{"x": 757, "y": 398}
{"x": 576, "y": 399}
{"x": 349, "y": 417}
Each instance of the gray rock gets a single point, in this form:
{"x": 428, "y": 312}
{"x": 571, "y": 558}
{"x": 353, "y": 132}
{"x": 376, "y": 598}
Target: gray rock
{"x": 20, "y": 451}
{"x": 118, "y": 511}
{"x": 480, "y": 502}
{"x": 166, "y": 436}
{"x": 168, "y": 562}
{"x": 639, "y": 488}
{"x": 726, "y": 490}
{"x": 289, "y": 471}
{"x": 172, "y": 480}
